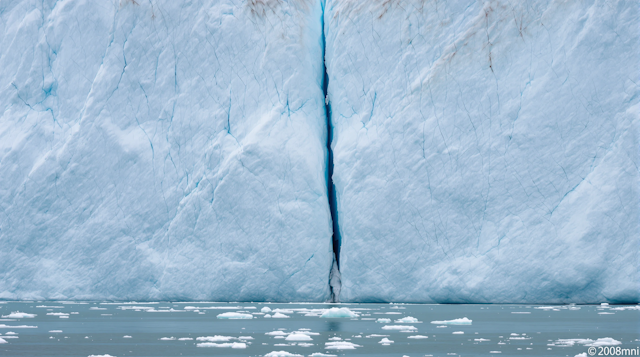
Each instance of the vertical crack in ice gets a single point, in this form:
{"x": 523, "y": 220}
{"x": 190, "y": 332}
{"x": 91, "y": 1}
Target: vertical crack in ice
{"x": 334, "y": 275}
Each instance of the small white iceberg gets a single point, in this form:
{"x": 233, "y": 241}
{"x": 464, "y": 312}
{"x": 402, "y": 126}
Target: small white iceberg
{"x": 401, "y": 328}
{"x": 237, "y": 345}
{"x": 462, "y": 321}
{"x": 298, "y": 337}
{"x": 19, "y": 315}
{"x": 340, "y": 345}
{"x": 335, "y": 312}
{"x": 234, "y": 316}
{"x": 417, "y": 337}
{"x": 407, "y": 320}
{"x": 278, "y": 315}
{"x": 281, "y": 354}
{"x": 216, "y": 338}
{"x": 385, "y": 342}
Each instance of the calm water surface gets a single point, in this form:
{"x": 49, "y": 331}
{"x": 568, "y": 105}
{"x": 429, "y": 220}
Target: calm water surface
{"x": 184, "y": 329}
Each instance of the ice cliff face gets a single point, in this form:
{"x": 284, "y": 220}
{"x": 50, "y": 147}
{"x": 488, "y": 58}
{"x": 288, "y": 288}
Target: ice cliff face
{"x": 480, "y": 151}
{"x": 163, "y": 150}
{"x": 486, "y": 151}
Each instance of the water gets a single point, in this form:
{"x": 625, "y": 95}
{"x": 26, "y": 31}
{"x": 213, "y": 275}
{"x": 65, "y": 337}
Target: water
{"x": 95, "y": 328}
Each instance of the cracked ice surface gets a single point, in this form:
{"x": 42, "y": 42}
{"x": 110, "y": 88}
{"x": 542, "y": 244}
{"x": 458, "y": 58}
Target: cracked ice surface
{"x": 161, "y": 150}
{"x": 485, "y": 151}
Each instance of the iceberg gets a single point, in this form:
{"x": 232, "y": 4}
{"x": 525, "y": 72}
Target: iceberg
{"x": 338, "y": 312}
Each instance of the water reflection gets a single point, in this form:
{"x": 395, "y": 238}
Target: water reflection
{"x": 333, "y": 326}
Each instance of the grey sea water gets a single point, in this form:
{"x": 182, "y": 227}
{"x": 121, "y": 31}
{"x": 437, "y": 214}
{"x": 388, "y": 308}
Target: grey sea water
{"x": 184, "y": 329}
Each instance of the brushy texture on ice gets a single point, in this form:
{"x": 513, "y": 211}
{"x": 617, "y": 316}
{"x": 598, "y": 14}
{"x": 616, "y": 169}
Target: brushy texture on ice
{"x": 485, "y": 151}
{"x": 163, "y": 150}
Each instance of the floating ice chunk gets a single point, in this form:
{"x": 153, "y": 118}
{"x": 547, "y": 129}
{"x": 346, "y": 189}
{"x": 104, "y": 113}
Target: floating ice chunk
{"x": 134, "y": 308}
{"x": 265, "y": 309}
{"x": 520, "y": 312}
{"x": 305, "y": 344}
{"x": 407, "y": 320}
{"x": 276, "y": 333}
{"x": 19, "y": 315}
{"x": 340, "y": 345}
{"x": 96, "y": 308}
{"x": 458, "y": 333}
{"x": 101, "y": 356}
{"x": 399, "y": 327}
{"x": 2, "y": 340}
{"x": 495, "y": 351}
{"x": 376, "y": 335}
{"x": 606, "y": 313}
{"x": 336, "y": 312}
{"x": 281, "y": 354}
{"x": 11, "y": 333}
{"x": 462, "y": 321}
{"x": 185, "y": 339}
{"x": 335, "y": 338}
{"x": 18, "y": 326}
{"x": 298, "y": 337}
{"x": 383, "y": 321}
{"x": 278, "y": 315}
{"x": 216, "y": 338}
{"x": 49, "y": 307}
{"x": 245, "y": 338}
{"x": 318, "y": 354}
{"x": 418, "y": 337}
{"x": 601, "y": 342}
{"x": 385, "y": 341}
{"x": 481, "y": 339}
{"x": 267, "y": 316}
{"x": 167, "y": 338}
{"x": 57, "y": 314}
{"x": 126, "y": 336}
{"x": 234, "y": 315}
{"x": 583, "y": 354}
{"x": 238, "y": 345}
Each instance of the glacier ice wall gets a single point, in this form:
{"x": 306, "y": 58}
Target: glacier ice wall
{"x": 486, "y": 151}
{"x": 163, "y": 150}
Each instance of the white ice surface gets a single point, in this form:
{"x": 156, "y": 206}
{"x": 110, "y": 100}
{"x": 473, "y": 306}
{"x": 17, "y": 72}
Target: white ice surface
{"x": 486, "y": 151}
{"x": 163, "y": 150}
{"x": 338, "y": 312}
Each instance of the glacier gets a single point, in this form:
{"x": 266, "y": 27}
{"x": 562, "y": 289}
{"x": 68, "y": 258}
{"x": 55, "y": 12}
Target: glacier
{"x": 161, "y": 150}
{"x": 316, "y": 150}
{"x": 486, "y": 151}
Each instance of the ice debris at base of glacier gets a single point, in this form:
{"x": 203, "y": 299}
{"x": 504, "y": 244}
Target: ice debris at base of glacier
{"x": 486, "y": 151}
{"x": 163, "y": 150}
